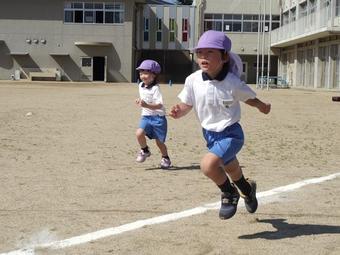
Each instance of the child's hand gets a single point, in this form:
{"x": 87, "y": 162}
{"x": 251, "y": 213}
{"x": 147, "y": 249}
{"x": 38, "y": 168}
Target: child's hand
{"x": 141, "y": 102}
{"x": 179, "y": 110}
{"x": 265, "y": 108}
{"x": 174, "y": 112}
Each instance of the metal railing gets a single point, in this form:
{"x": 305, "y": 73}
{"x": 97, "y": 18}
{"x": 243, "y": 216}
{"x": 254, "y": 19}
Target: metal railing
{"x": 310, "y": 24}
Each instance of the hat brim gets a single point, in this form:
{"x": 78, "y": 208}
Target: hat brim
{"x": 207, "y": 47}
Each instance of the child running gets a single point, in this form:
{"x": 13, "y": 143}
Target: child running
{"x": 153, "y": 123}
{"x": 214, "y": 92}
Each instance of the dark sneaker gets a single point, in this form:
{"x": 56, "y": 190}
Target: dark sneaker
{"x": 251, "y": 200}
{"x": 228, "y": 204}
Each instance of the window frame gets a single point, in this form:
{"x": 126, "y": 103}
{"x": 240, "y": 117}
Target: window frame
{"x": 146, "y": 26}
{"x": 159, "y": 29}
{"x": 109, "y": 13}
{"x": 238, "y": 22}
{"x": 185, "y": 29}
{"x": 172, "y": 29}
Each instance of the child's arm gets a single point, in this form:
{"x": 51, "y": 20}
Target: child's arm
{"x": 142, "y": 103}
{"x": 261, "y": 106}
{"x": 179, "y": 110}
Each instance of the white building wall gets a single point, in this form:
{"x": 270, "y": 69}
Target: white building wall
{"x": 167, "y": 12}
{"x": 315, "y": 38}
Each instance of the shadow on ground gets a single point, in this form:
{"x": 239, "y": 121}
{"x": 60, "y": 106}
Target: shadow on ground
{"x": 286, "y": 230}
{"x": 177, "y": 168}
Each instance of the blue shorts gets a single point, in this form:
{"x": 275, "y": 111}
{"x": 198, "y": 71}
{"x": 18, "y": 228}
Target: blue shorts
{"x": 154, "y": 126}
{"x": 225, "y": 144}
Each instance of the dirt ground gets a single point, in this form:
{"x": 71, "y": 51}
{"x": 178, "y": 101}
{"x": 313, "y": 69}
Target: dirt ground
{"x": 67, "y": 161}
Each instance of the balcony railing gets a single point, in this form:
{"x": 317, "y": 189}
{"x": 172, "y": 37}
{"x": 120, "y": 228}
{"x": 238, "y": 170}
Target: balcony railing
{"x": 313, "y": 23}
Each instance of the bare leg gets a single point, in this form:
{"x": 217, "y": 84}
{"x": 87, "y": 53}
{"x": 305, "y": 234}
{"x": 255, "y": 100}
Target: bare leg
{"x": 234, "y": 170}
{"x": 162, "y": 147}
{"x": 211, "y": 166}
{"x": 140, "y": 134}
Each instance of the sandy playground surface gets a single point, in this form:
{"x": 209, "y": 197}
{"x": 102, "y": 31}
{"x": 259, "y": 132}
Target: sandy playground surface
{"x": 67, "y": 160}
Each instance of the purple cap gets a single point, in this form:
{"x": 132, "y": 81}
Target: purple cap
{"x": 214, "y": 40}
{"x": 150, "y": 65}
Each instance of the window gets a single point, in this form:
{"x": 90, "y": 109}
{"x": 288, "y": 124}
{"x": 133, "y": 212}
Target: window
{"x": 275, "y": 21}
{"x": 98, "y": 13}
{"x": 69, "y": 16}
{"x": 237, "y": 26}
{"x": 86, "y": 62}
{"x": 94, "y": 13}
{"x": 337, "y": 8}
{"x": 208, "y": 25}
{"x": 88, "y": 5}
{"x": 172, "y": 30}
{"x": 89, "y": 17}
{"x": 146, "y": 30}
{"x": 238, "y": 22}
{"x": 303, "y": 9}
{"x": 232, "y": 22}
{"x": 114, "y": 13}
{"x": 334, "y": 51}
{"x": 213, "y": 21}
{"x": 311, "y": 11}
{"x": 159, "y": 30}
{"x": 108, "y": 17}
{"x": 118, "y": 13}
{"x": 293, "y": 15}
{"x": 322, "y": 53}
{"x": 285, "y": 18}
{"x": 185, "y": 30}
{"x": 312, "y": 6}
{"x": 78, "y": 16}
{"x": 77, "y": 5}
{"x": 250, "y": 23}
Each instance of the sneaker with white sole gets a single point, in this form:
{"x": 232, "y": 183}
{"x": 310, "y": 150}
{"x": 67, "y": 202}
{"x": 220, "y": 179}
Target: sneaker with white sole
{"x": 165, "y": 163}
{"x": 141, "y": 157}
{"x": 229, "y": 203}
{"x": 251, "y": 200}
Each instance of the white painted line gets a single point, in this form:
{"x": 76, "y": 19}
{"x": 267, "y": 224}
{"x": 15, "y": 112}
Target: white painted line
{"x": 89, "y": 237}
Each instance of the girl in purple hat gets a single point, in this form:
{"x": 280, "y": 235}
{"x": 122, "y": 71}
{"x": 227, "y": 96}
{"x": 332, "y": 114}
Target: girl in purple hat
{"x": 215, "y": 92}
{"x": 153, "y": 123}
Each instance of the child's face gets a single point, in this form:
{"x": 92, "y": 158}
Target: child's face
{"x": 146, "y": 77}
{"x": 211, "y": 61}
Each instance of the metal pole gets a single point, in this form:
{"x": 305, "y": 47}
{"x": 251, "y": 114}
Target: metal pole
{"x": 263, "y": 39}
{"x": 269, "y": 41}
{"x": 258, "y": 46}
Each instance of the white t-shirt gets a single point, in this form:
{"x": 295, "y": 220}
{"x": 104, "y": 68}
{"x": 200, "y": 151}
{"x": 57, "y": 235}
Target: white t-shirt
{"x": 216, "y": 102}
{"x": 151, "y": 96}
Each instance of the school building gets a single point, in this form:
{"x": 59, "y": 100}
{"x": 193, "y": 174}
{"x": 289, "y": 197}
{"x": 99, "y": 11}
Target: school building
{"x": 73, "y": 41}
{"x": 308, "y": 43}
{"x": 167, "y": 34}
{"x": 93, "y": 40}
{"x": 171, "y": 32}
{"x": 104, "y": 40}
